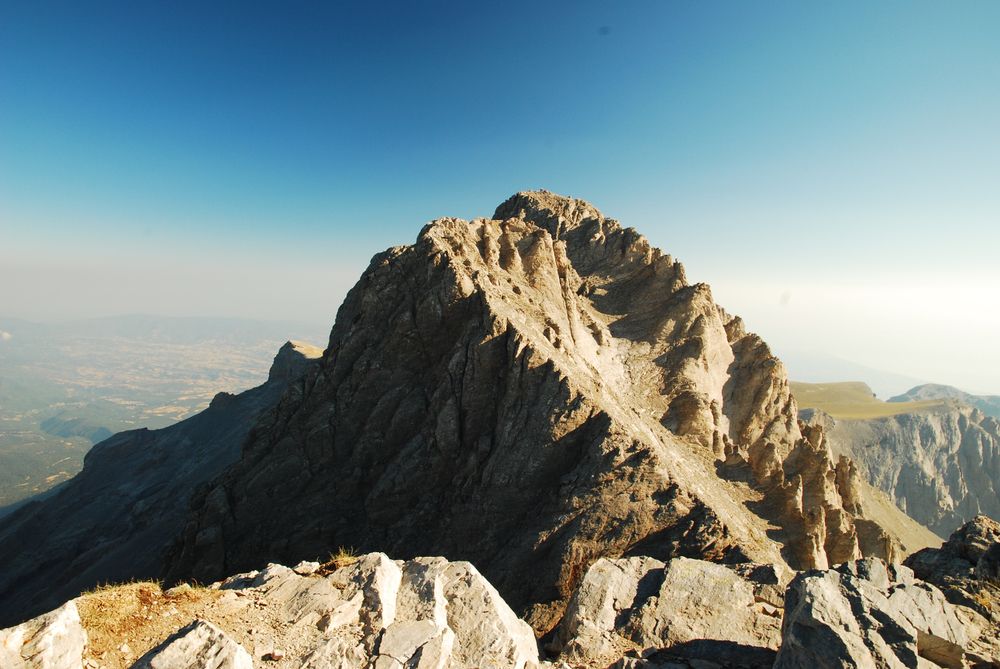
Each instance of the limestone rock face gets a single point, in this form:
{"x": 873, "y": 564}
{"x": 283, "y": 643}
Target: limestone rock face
{"x": 427, "y": 612}
{"x": 112, "y": 521}
{"x": 864, "y": 614}
{"x": 644, "y": 603}
{"x": 529, "y": 393}
{"x": 200, "y": 645}
{"x": 51, "y": 641}
{"x": 608, "y": 594}
{"x": 701, "y": 600}
{"x": 940, "y": 465}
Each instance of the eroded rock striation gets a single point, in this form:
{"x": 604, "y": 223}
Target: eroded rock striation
{"x": 112, "y": 522}
{"x": 531, "y": 393}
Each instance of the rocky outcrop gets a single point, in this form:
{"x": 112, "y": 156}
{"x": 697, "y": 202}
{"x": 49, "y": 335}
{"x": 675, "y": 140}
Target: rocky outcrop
{"x": 52, "y": 641}
{"x": 427, "y": 613}
{"x": 200, "y": 645}
{"x": 865, "y": 614}
{"x": 939, "y": 464}
{"x": 988, "y": 404}
{"x": 965, "y": 566}
{"x": 529, "y": 393}
{"x": 646, "y": 604}
{"x": 688, "y": 613}
{"x": 112, "y": 522}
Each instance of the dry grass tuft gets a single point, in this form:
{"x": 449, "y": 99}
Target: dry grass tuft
{"x": 342, "y": 558}
{"x": 137, "y": 615}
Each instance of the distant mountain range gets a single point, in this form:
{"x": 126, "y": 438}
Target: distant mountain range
{"x": 988, "y": 404}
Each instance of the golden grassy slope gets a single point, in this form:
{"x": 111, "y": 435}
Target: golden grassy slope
{"x": 851, "y": 400}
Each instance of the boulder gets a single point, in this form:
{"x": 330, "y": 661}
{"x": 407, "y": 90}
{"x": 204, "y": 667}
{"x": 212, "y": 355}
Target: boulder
{"x": 376, "y": 578}
{"x": 965, "y": 566}
{"x": 199, "y": 645}
{"x": 965, "y": 569}
{"x": 696, "y": 609}
{"x": 973, "y": 539}
{"x": 54, "y": 640}
{"x": 865, "y": 614}
{"x": 701, "y": 600}
{"x": 426, "y": 613}
{"x": 605, "y": 596}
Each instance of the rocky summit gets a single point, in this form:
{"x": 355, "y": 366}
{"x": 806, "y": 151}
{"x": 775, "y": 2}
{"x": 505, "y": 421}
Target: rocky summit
{"x": 607, "y": 466}
{"x": 530, "y": 393}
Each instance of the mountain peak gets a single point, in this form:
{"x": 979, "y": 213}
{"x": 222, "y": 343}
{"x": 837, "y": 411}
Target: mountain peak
{"x": 555, "y": 213}
{"x": 292, "y": 359}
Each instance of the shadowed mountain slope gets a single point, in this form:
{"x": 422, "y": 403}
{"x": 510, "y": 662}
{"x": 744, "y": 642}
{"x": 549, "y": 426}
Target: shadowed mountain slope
{"x": 112, "y": 521}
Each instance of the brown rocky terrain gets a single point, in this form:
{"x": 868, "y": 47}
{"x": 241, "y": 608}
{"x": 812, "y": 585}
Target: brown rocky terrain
{"x": 531, "y": 393}
{"x": 371, "y": 612}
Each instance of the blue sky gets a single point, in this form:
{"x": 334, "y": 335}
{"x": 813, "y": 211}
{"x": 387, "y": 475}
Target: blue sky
{"x": 830, "y": 169}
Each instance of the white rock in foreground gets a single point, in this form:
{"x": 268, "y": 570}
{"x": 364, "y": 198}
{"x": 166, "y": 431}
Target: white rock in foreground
{"x": 200, "y": 645}
{"x": 702, "y": 600}
{"x": 54, "y": 640}
{"x": 427, "y": 613}
{"x": 864, "y": 614}
{"x": 376, "y": 613}
{"x": 609, "y": 590}
{"x": 642, "y": 601}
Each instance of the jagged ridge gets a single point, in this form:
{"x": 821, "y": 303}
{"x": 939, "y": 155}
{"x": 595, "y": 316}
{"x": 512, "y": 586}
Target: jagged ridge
{"x": 531, "y": 393}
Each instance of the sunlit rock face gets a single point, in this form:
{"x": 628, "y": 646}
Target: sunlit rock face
{"x": 530, "y": 393}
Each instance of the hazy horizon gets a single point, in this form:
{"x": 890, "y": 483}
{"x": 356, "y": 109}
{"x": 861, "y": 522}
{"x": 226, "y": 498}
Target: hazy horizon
{"x": 829, "y": 169}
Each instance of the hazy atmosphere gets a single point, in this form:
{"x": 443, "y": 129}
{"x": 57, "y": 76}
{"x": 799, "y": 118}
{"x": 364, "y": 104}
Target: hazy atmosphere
{"x": 830, "y": 169}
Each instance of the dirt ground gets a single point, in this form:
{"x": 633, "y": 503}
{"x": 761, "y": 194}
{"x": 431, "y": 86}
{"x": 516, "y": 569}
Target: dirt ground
{"x": 124, "y": 622}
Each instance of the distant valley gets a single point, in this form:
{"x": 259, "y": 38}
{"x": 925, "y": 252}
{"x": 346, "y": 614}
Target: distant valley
{"x": 66, "y": 387}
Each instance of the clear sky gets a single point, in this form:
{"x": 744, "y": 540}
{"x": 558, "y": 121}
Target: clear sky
{"x": 832, "y": 170}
